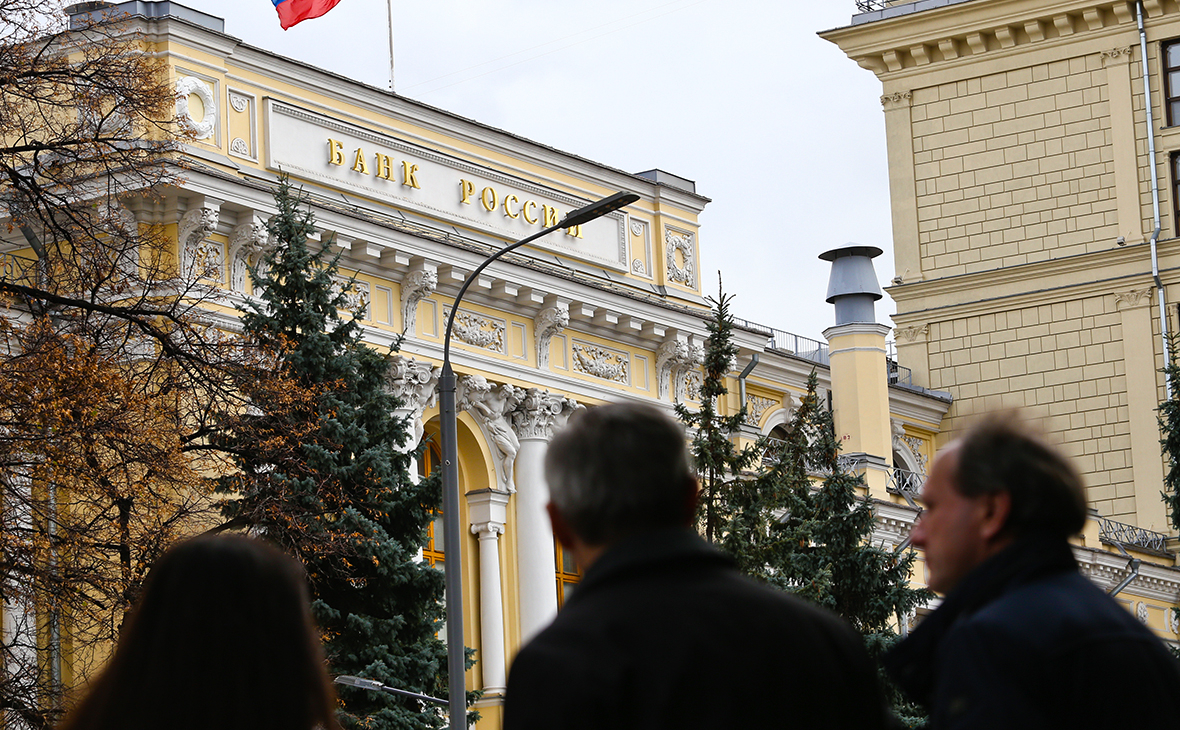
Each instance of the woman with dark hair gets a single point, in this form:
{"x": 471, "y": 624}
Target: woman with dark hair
{"x": 222, "y": 639}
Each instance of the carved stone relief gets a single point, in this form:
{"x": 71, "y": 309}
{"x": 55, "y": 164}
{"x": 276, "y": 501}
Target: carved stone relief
{"x": 204, "y": 127}
{"x": 681, "y": 242}
{"x": 548, "y": 322}
{"x": 356, "y": 292}
{"x": 693, "y": 381}
{"x": 913, "y": 332}
{"x": 756, "y": 407}
{"x": 478, "y": 331}
{"x": 416, "y": 286}
{"x": 238, "y": 102}
{"x": 1132, "y": 298}
{"x": 672, "y": 357}
{"x": 415, "y": 384}
{"x": 492, "y": 407}
{"x": 246, "y": 243}
{"x": 240, "y": 146}
{"x": 540, "y": 412}
{"x": 601, "y": 362}
{"x": 202, "y": 257}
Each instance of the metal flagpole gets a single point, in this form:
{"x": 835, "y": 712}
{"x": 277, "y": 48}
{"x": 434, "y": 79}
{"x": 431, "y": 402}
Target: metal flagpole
{"x": 389, "y": 8}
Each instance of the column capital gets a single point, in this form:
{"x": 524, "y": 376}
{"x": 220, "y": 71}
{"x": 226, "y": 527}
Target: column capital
{"x": 415, "y": 384}
{"x": 539, "y": 412}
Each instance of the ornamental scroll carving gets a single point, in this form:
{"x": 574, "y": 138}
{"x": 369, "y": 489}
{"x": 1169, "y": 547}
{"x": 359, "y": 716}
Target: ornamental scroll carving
{"x": 478, "y": 331}
{"x": 356, "y": 293}
{"x": 756, "y": 407}
{"x": 238, "y": 102}
{"x": 540, "y": 412}
{"x": 415, "y": 385}
{"x": 548, "y": 322}
{"x": 246, "y": 241}
{"x": 492, "y": 407}
{"x": 672, "y": 357}
{"x": 240, "y": 147}
{"x": 601, "y": 363}
{"x": 897, "y": 99}
{"x": 416, "y": 286}
{"x": 913, "y": 332}
{"x": 1132, "y": 298}
{"x": 681, "y": 242}
{"x": 202, "y": 257}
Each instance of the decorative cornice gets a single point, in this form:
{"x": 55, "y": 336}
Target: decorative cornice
{"x": 964, "y": 32}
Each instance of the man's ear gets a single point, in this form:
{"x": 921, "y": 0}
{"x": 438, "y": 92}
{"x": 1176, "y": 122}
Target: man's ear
{"x": 561, "y": 529}
{"x": 997, "y": 508}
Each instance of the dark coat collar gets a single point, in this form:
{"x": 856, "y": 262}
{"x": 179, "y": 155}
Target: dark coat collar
{"x": 912, "y": 662}
{"x": 643, "y": 552}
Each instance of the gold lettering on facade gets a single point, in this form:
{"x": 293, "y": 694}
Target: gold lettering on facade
{"x": 524, "y": 211}
{"x": 487, "y": 196}
{"x": 510, "y": 200}
{"x": 576, "y": 231}
{"x": 382, "y": 166}
{"x": 359, "y": 164}
{"x": 549, "y": 215}
{"x": 335, "y": 152}
{"x": 466, "y": 190}
{"x": 410, "y": 175}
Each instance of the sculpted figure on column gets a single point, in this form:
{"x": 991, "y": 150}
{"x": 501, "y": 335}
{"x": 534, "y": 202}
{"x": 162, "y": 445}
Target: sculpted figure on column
{"x": 415, "y": 384}
{"x": 491, "y": 406}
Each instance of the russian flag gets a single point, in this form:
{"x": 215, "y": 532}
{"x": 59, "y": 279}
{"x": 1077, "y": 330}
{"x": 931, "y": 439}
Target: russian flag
{"x": 295, "y": 11}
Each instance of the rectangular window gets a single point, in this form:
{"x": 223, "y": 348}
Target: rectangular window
{"x": 568, "y": 575}
{"x": 1172, "y": 82}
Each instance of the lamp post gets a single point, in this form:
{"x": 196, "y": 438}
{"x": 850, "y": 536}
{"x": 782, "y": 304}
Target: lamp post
{"x": 456, "y": 657}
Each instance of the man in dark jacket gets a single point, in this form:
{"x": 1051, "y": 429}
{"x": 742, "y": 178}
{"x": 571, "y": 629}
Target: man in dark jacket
{"x": 1022, "y": 639}
{"x": 663, "y": 632}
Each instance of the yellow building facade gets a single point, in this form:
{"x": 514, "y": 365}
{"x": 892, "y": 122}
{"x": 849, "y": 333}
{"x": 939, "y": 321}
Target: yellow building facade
{"x": 1032, "y": 153}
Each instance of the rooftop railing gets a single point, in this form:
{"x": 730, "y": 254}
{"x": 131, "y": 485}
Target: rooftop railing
{"x": 1120, "y": 533}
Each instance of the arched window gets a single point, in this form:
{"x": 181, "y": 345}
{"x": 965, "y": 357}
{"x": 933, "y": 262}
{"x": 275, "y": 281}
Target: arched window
{"x": 433, "y": 552}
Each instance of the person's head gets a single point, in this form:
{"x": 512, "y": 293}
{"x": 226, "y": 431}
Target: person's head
{"x": 618, "y": 470}
{"x": 221, "y": 637}
{"x": 996, "y": 484}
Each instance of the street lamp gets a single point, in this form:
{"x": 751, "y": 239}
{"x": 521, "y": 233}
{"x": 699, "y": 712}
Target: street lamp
{"x": 456, "y": 657}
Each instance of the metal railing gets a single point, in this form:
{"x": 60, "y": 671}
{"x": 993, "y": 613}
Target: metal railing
{"x": 903, "y": 481}
{"x": 1120, "y": 533}
{"x": 16, "y": 268}
{"x": 792, "y": 344}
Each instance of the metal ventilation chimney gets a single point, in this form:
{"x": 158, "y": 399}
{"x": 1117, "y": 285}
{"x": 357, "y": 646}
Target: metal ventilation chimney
{"x": 853, "y": 286}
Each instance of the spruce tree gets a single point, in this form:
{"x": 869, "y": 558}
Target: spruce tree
{"x": 1169, "y": 422}
{"x": 326, "y": 477}
{"x": 799, "y": 522}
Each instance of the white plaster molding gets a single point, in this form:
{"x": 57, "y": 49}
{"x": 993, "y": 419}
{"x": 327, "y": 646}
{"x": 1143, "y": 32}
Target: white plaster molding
{"x": 549, "y": 321}
{"x": 1133, "y": 298}
{"x": 419, "y": 283}
{"x": 202, "y": 257}
{"x": 201, "y": 128}
{"x": 601, "y": 362}
{"x": 681, "y": 241}
{"x": 477, "y": 330}
{"x": 415, "y": 384}
{"x": 492, "y": 407}
{"x": 539, "y": 413}
{"x": 756, "y": 407}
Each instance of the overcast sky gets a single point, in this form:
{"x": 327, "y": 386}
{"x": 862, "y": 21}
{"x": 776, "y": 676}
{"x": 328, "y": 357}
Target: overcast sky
{"x": 777, "y": 126}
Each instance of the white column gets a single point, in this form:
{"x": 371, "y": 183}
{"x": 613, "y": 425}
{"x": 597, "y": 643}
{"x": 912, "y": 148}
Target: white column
{"x": 534, "y": 539}
{"x": 488, "y": 509}
{"x": 534, "y": 421}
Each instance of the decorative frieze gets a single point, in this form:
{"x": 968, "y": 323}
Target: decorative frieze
{"x": 356, "y": 292}
{"x": 548, "y": 322}
{"x": 416, "y": 286}
{"x": 897, "y": 99}
{"x": 478, "y": 331}
{"x": 601, "y": 363}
